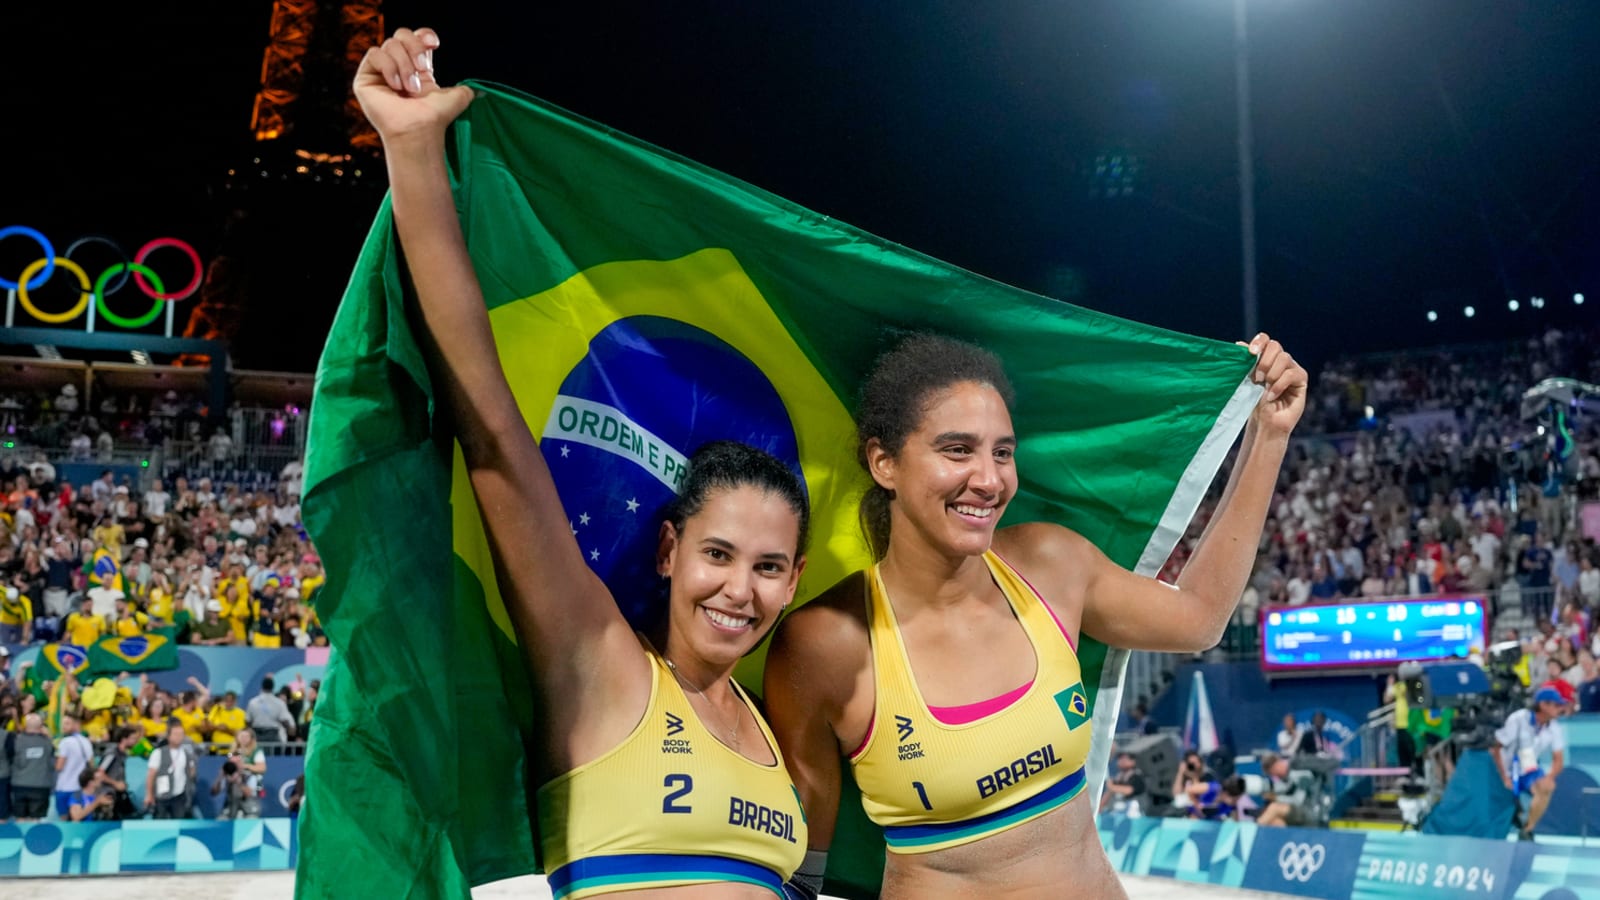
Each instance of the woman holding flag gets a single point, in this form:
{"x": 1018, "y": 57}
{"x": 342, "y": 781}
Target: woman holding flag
{"x": 667, "y": 781}
{"x": 947, "y": 674}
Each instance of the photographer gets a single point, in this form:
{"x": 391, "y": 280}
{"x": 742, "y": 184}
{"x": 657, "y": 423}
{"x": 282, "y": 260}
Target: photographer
{"x": 111, "y": 778}
{"x": 1126, "y": 791}
{"x": 87, "y": 802}
{"x": 1529, "y": 735}
{"x": 241, "y": 778}
{"x": 1216, "y": 800}
{"x": 1190, "y": 772}
{"x": 1288, "y": 795}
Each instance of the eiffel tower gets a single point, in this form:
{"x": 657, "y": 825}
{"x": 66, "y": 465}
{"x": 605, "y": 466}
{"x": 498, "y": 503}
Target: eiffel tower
{"x": 308, "y": 145}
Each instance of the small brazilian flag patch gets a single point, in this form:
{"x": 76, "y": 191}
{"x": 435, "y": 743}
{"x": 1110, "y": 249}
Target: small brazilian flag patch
{"x": 1074, "y": 703}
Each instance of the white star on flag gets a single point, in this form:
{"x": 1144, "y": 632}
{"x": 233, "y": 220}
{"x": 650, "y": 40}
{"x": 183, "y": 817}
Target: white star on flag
{"x": 565, "y": 450}
{"x": 594, "y": 555}
{"x": 583, "y": 518}
{"x": 633, "y": 504}
{"x": 569, "y": 525}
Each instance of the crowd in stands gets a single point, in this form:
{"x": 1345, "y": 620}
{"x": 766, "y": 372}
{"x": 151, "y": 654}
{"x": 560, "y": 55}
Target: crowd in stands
{"x": 1416, "y": 474}
{"x": 194, "y": 562}
{"x": 69, "y": 427}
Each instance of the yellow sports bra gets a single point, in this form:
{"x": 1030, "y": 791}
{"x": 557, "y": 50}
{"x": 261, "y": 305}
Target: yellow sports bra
{"x": 950, "y": 777}
{"x": 670, "y": 806}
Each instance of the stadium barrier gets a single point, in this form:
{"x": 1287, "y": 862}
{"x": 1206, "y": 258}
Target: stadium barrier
{"x": 53, "y": 849}
{"x": 1348, "y": 865}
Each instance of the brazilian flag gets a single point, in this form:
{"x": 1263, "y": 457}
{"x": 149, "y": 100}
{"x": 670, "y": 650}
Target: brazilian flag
{"x": 51, "y": 661}
{"x": 139, "y": 653}
{"x": 644, "y": 304}
{"x": 1424, "y": 722}
{"x": 104, "y": 570}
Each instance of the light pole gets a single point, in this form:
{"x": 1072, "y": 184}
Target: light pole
{"x": 1247, "y": 176}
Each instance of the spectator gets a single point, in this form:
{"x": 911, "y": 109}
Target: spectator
{"x": 1533, "y": 573}
{"x": 33, "y": 770}
{"x": 1126, "y": 789}
{"x": 84, "y": 627}
{"x": 171, "y": 777}
{"x": 16, "y": 617}
{"x": 1554, "y": 676}
{"x": 221, "y": 448}
{"x": 1315, "y": 740}
{"x": 86, "y": 802}
{"x": 1588, "y": 581}
{"x": 1288, "y": 736}
{"x": 228, "y": 721}
{"x": 269, "y": 716}
{"x": 1288, "y": 796}
{"x": 73, "y": 755}
{"x": 1419, "y": 582}
{"x": 1299, "y": 587}
{"x": 1191, "y": 771}
{"x": 189, "y": 713}
{"x": 113, "y": 777}
{"x": 297, "y": 795}
{"x": 1324, "y": 585}
{"x": 211, "y": 630}
{"x": 129, "y": 622}
{"x": 1216, "y": 801}
{"x": 156, "y": 501}
{"x": 157, "y": 717}
{"x": 1143, "y": 722}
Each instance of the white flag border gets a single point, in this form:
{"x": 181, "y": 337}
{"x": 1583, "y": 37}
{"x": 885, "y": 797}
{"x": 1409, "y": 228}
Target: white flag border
{"x": 1185, "y": 501}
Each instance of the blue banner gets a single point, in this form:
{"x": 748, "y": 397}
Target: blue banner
{"x": 1349, "y": 865}
{"x": 52, "y": 849}
{"x": 1399, "y": 865}
{"x": 1305, "y": 862}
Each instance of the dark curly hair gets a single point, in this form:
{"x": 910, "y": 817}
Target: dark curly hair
{"x": 729, "y": 464}
{"x": 897, "y": 394}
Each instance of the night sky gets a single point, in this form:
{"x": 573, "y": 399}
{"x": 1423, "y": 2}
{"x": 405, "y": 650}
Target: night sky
{"x": 1409, "y": 155}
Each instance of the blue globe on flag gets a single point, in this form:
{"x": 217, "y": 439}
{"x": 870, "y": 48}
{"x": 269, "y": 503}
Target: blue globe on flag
{"x": 651, "y": 391}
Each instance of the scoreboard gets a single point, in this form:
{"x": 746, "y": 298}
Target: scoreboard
{"x": 1372, "y": 634}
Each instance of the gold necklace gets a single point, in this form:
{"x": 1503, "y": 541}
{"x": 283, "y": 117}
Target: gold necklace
{"x": 733, "y": 731}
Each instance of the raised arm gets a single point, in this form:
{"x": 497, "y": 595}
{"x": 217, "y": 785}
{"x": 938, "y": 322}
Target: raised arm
{"x": 1127, "y": 610}
{"x": 574, "y": 639}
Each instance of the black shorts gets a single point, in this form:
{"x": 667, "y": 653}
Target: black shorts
{"x": 30, "y": 803}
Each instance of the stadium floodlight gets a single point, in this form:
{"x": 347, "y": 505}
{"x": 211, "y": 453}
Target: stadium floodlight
{"x": 1433, "y": 316}
{"x": 1513, "y": 305}
{"x": 1541, "y": 431}
{"x": 1577, "y": 299}
{"x": 1469, "y": 312}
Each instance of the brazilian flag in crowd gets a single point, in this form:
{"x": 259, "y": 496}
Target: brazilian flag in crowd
{"x": 147, "y": 652}
{"x": 643, "y": 305}
{"x": 104, "y": 570}
{"x": 45, "y": 682}
{"x": 51, "y": 661}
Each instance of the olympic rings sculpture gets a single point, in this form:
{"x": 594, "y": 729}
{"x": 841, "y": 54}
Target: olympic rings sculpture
{"x": 36, "y": 273}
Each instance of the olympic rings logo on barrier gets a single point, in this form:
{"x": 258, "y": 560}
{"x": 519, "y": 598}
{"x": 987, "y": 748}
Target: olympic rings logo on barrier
{"x": 1301, "y": 861}
{"x": 36, "y": 273}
